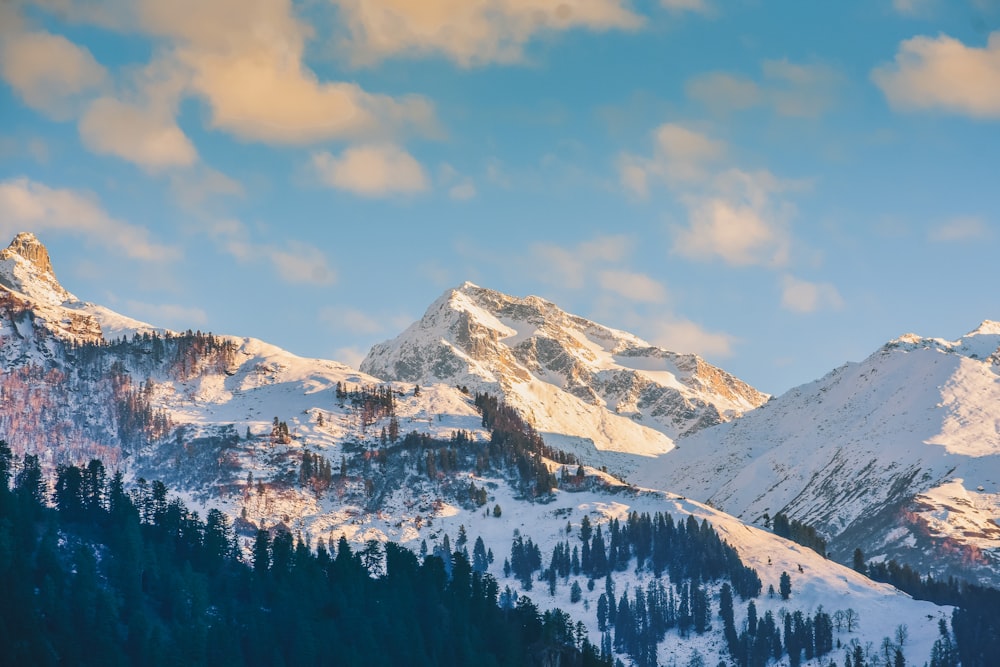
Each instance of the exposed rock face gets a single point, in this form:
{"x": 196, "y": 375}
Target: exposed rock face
{"x": 25, "y": 268}
{"x": 567, "y": 375}
{"x": 32, "y": 300}
{"x": 28, "y": 246}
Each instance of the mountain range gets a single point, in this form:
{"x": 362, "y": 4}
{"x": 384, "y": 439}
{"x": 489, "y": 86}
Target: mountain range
{"x": 896, "y": 455}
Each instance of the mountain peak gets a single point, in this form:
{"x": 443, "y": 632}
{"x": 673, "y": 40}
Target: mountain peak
{"x": 25, "y": 267}
{"x": 987, "y": 327}
{"x": 27, "y": 246}
{"x": 581, "y": 383}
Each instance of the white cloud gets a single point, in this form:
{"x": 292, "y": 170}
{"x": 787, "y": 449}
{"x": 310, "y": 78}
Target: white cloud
{"x": 961, "y": 229}
{"x": 29, "y": 205}
{"x": 569, "y": 267}
{"x": 170, "y": 315}
{"x": 460, "y": 188}
{"x": 737, "y": 222}
{"x": 913, "y": 7}
{"x": 462, "y": 191}
{"x": 351, "y": 320}
{"x": 48, "y": 71}
{"x": 680, "y": 155}
{"x": 733, "y": 215}
{"x": 787, "y": 88}
{"x": 301, "y": 263}
{"x": 295, "y": 262}
{"x": 245, "y": 59}
{"x": 632, "y": 286}
{"x": 943, "y": 73}
{"x": 193, "y": 187}
{"x": 685, "y": 336}
{"x": 802, "y": 296}
{"x": 723, "y": 92}
{"x": 686, "y": 5}
{"x": 372, "y": 171}
{"x": 351, "y": 355}
{"x": 144, "y": 136}
{"x": 469, "y": 33}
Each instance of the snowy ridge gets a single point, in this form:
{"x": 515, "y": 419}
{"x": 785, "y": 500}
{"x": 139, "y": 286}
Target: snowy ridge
{"x": 898, "y": 455}
{"x": 604, "y": 394}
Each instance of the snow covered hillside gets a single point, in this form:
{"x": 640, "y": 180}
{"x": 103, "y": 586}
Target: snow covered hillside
{"x": 898, "y": 455}
{"x": 321, "y": 450}
{"x": 606, "y": 395}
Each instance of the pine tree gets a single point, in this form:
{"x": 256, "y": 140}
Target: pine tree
{"x": 785, "y": 585}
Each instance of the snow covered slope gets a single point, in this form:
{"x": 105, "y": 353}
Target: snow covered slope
{"x": 598, "y": 392}
{"x": 898, "y": 455}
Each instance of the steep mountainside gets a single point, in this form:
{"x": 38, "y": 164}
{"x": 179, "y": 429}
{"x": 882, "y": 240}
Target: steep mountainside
{"x": 898, "y": 455}
{"x": 587, "y": 388}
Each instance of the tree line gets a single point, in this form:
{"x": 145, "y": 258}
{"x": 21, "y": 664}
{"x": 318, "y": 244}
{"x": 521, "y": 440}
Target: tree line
{"x": 103, "y": 575}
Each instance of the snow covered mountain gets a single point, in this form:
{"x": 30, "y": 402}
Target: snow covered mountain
{"x": 28, "y": 283}
{"x": 81, "y": 380}
{"x": 312, "y": 446}
{"x": 898, "y": 455}
{"x": 603, "y": 394}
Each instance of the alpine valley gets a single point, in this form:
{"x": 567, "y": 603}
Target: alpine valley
{"x": 647, "y": 494}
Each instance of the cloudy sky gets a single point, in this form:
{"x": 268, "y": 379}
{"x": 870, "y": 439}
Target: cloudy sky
{"x": 779, "y": 186}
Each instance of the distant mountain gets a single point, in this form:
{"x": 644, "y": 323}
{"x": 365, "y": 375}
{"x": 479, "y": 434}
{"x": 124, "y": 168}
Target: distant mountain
{"x": 587, "y": 388}
{"x": 898, "y": 455}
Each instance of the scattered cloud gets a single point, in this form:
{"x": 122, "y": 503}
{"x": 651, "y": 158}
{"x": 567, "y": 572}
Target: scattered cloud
{"x": 351, "y": 355}
{"x": 351, "y": 320}
{"x": 170, "y": 315}
{"x": 733, "y": 215}
{"x": 802, "y": 296}
{"x": 787, "y": 88}
{"x": 48, "y": 72}
{"x": 301, "y": 263}
{"x": 943, "y": 73}
{"x": 699, "y": 6}
{"x": 736, "y": 219}
{"x": 570, "y": 267}
{"x": 341, "y": 319}
{"x": 29, "y": 205}
{"x": 632, "y": 286}
{"x": 961, "y": 229}
{"x": 460, "y": 188}
{"x": 686, "y": 336}
{"x": 16, "y": 147}
{"x": 723, "y": 92}
{"x": 372, "y": 171}
{"x": 470, "y": 33}
{"x": 680, "y": 154}
{"x": 463, "y": 191}
{"x": 140, "y": 135}
{"x": 192, "y": 188}
{"x": 294, "y": 262}
{"x": 738, "y": 233}
{"x": 245, "y": 59}
{"x": 913, "y": 7}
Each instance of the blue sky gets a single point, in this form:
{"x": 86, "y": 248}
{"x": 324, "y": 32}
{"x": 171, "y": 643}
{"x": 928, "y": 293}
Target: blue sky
{"x": 780, "y": 187}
